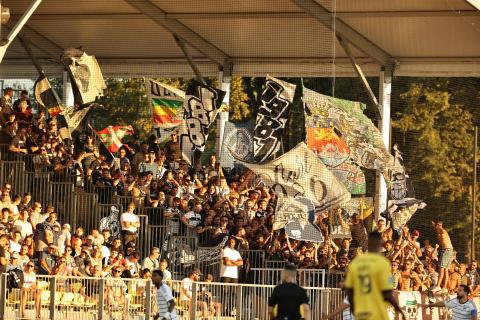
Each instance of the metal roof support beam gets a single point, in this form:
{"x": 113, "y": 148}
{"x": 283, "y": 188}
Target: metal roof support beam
{"x": 251, "y": 15}
{"x": 344, "y": 30}
{"x": 30, "y": 53}
{"x": 4, "y": 43}
{"x": 187, "y": 54}
{"x": 42, "y": 43}
{"x": 179, "y": 29}
{"x": 360, "y": 74}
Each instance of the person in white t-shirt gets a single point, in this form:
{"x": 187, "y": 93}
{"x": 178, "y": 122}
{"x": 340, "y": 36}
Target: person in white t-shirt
{"x": 15, "y": 245}
{"x": 231, "y": 260}
{"x": 130, "y": 224}
{"x": 186, "y": 292}
{"x": 23, "y": 225}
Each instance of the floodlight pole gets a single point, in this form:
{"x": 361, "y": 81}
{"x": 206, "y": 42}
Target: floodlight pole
{"x": 474, "y": 193}
{"x": 385, "y": 92}
{"x": 4, "y": 43}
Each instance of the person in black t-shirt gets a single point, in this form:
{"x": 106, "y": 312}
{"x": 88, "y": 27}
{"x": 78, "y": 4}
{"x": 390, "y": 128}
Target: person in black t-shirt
{"x": 289, "y": 301}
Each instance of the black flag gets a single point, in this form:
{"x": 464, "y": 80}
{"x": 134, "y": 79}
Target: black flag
{"x": 46, "y": 96}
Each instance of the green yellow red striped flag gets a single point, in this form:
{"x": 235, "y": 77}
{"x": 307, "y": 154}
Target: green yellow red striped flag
{"x": 166, "y": 103}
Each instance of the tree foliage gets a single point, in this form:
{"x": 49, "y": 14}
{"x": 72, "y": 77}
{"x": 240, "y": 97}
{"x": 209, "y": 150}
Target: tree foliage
{"x": 435, "y": 133}
{"x": 240, "y": 109}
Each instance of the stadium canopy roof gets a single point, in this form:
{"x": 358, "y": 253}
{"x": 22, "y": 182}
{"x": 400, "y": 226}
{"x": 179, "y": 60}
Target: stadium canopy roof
{"x": 133, "y": 38}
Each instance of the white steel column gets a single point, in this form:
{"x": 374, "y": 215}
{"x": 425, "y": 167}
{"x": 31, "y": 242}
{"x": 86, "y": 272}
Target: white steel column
{"x": 4, "y": 43}
{"x": 385, "y": 92}
{"x": 224, "y": 113}
{"x": 67, "y": 97}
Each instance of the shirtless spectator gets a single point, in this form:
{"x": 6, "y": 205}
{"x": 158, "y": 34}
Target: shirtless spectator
{"x": 446, "y": 254}
{"x": 409, "y": 279}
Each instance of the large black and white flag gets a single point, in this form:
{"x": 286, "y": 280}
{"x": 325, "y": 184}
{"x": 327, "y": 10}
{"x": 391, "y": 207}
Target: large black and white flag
{"x": 297, "y": 217}
{"x": 299, "y": 172}
{"x": 70, "y": 119}
{"x": 86, "y": 76}
{"x": 271, "y": 118}
{"x": 200, "y": 109}
{"x": 46, "y": 96}
{"x": 402, "y": 203}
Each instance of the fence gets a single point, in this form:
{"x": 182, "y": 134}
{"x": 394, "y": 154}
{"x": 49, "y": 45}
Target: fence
{"x": 306, "y": 277}
{"x": 75, "y": 298}
{"x": 87, "y": 206}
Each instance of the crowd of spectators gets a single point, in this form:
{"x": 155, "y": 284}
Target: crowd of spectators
{"x": 208, "y": 203}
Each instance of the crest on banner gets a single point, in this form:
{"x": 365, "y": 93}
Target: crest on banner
{"x": 112, "y": 222}
{"x": 297, "y": 217}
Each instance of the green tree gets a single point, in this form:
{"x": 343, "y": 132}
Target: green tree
{"x": 240, "y": 110}
{"x": 437, "y": 136}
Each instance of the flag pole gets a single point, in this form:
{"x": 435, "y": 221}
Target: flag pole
{"x": 474, "y": 193}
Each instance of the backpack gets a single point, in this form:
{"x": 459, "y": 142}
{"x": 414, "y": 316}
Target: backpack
{"x": 15, "y": 279}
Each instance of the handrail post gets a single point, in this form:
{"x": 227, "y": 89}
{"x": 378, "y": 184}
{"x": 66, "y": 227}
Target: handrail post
{"x": 238, "y": 302}
{"x": 148, "y": 300}
{"x": 3, "y": 295}
{"x": 193, "y": 303}
{"x": 53, "y": 289}
{"x": 101, "y": 299}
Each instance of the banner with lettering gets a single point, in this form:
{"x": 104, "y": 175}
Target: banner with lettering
{"x": 299, "y": 172}
{"x": 271, "y": 118}
{"x": 201, "y": 106}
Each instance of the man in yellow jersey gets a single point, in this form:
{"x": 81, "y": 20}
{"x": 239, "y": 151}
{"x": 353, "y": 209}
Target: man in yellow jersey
{"x": 369, "y": 283}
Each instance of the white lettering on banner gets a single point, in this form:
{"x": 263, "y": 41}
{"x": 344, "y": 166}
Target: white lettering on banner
{"x": 200, "y": 107}
{"x": 271, "y": 118}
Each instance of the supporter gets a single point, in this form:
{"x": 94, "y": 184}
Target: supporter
{"x": 446, "y": 253}
{"x": 25, "y": 203}
{"x": 6, "y": 105}
{"x": 186, "y": 292}
{"x": 46, "y": 260}
{"x": 23, "y": 98}
{"x": 36, "y": 216}
{"x": 7, "y": 133}
{"x": 29, "y": 290}
{"x": 4, "y": 253}
{"x": 230, "y": 261}
{"x": 130, "y": 224}
{"x": 193, "y": 218}
{"x": 473, "y": 275}
{"x": 151, "y": 262}
{"x": 167, "y": 275}
{"x": 18, "y": 143}
{"x": 15, "y": 242}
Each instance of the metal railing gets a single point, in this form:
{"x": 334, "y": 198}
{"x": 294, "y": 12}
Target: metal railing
{"x": 86, "y": 207}
{"x": 82, "y": 298}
